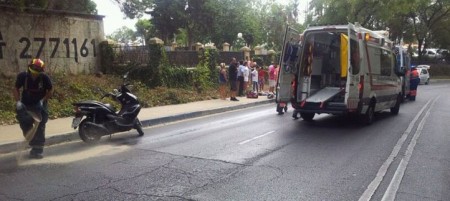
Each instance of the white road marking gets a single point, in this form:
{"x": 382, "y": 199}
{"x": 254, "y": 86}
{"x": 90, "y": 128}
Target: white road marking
{"x": 368, "y": 193}
{"x": 260, "y": 136}
{"x": 392, "y": 189}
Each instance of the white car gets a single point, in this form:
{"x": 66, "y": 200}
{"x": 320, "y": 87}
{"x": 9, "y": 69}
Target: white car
{"x": 424, "y": 66}
{"x": 432, "y": 53}
{"x": 424, "y": 75}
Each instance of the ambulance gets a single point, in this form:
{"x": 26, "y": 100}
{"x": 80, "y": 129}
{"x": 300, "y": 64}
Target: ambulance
{"x": 339, "y": 69}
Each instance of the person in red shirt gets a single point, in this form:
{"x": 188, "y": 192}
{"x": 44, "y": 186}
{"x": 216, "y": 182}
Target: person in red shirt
{"x": 261, "y": 78}
{"x": 272, "y": 79}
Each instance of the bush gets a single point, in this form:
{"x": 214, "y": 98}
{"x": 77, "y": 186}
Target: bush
{"x": 205, "y": 75}
{"x": 439, "y": 71}
{"x": 107, "y": 56}
{"x": 177, "y": 77}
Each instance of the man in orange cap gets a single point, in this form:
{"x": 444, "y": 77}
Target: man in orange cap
{"x": 31, "y": 104}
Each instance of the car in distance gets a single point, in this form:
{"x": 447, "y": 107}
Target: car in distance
{"x": 424, "y": 75}
{"x": 424, "y": 66}
{"x": 432, "y": 54}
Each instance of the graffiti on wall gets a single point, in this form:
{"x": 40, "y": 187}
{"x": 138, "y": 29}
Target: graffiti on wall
{"x": 69, "y": 46}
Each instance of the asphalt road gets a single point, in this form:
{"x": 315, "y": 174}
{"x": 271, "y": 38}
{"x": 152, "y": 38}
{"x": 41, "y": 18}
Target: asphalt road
{"x": 252, "y": 154}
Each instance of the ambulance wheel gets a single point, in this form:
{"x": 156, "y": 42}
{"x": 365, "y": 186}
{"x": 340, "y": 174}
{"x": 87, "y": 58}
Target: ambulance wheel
{"x": 307, "y": 116}
{"x": 396, "y": 108}
{"x": 368, "y": 117}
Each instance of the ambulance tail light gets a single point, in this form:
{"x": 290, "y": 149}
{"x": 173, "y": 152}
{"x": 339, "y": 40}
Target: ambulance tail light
{"x": 364, "y": 36}
{"x": 367, "y": 36}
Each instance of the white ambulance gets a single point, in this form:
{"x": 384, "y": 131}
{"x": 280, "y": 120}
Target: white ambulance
{"x": 338, "y": 69}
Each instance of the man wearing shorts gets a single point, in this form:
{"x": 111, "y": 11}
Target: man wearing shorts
{"x": 272, "y": 81}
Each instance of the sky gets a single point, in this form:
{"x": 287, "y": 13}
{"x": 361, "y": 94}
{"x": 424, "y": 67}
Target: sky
{"x": 115, "y": 19}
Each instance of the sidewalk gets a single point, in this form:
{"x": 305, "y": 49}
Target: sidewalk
{"x": 59, "y": 130}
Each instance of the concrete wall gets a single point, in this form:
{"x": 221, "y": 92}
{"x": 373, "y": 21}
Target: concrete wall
{"x": 66, "y": 42}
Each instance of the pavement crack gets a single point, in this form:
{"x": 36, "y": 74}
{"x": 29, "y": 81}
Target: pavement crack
{"x": 194, "y": 157}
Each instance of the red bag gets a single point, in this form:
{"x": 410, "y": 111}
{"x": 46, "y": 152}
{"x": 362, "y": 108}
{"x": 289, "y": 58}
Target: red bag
{"x": 252, "y": 94}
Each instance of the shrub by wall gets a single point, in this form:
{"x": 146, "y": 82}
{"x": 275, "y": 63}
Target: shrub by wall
{"x": 204, "y": 75}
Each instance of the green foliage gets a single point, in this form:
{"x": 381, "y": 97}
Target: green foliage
{"x": 210, "y": 58}
{"x": 157, "y": 59}
{"x": 205, "y": 74}
{"x": 167, "y": 17}
{"x": 259, "y": 60}
{"x": 134, "y": 8}
{"x": 144, "y": 29}
{"x": 7, "y": 105}
{"x": 439, "y": 71}
{"x": 423, "y": 22}
{"x": 201, "y": 76}
{"x": 123, "y": 35}
{"x": 107, "y": 57}
{"x": 217, "y": 21}
{"x": 176, "y": 77}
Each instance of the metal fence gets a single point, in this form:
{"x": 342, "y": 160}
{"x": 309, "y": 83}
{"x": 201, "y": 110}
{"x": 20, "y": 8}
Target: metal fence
{"x": 187, "y": 58}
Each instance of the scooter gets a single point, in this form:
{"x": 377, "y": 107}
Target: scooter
{"x": 101, "y": 119}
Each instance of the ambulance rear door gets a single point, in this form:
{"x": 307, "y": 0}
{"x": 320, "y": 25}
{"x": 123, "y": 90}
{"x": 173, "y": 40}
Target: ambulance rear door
{"x": 288, "y": 64}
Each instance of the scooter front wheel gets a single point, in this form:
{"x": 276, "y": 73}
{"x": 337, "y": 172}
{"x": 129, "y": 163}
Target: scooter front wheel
{"x": 87, "y": 134}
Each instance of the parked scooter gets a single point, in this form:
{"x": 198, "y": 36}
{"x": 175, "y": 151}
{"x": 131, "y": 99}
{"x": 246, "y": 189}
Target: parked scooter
{"x": 102, "y": 119}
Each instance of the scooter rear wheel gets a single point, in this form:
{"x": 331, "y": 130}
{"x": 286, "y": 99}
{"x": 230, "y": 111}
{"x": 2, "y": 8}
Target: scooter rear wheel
{"x": 138, "y": 127}
{"x": 86, "y": 134}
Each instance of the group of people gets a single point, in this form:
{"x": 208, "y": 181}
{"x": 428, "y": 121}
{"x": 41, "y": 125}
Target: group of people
{"x": 240, "y": 74}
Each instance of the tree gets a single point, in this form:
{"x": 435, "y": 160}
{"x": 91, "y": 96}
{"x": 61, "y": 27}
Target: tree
{"x": 424, "y": 21}
{"x": 144, "y": 29}
{"x": 276, "y": 21}
{"x": 135, "y": 8}
{"x": 216, "y": 21}
{"x": 123, "y": 35}
{"x": 168, "y": 17}
{"x": 427, "y": 18}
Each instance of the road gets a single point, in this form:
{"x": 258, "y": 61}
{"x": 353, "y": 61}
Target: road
{"x": 252, "y": 154}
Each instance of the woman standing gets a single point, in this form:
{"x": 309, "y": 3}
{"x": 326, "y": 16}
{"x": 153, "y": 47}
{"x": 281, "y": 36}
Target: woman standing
{"x": 223, "y": 81}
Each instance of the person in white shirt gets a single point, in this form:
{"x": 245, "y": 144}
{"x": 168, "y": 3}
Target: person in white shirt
{"x": 241, "y": 76}
{"x": 246, "y": 74}
{"x": 255, "y": 78}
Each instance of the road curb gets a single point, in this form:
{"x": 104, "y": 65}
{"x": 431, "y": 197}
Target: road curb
{"x": 73, "y": 136}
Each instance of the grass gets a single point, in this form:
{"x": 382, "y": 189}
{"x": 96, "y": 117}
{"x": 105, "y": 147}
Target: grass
{"x": 73, "y": 88}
